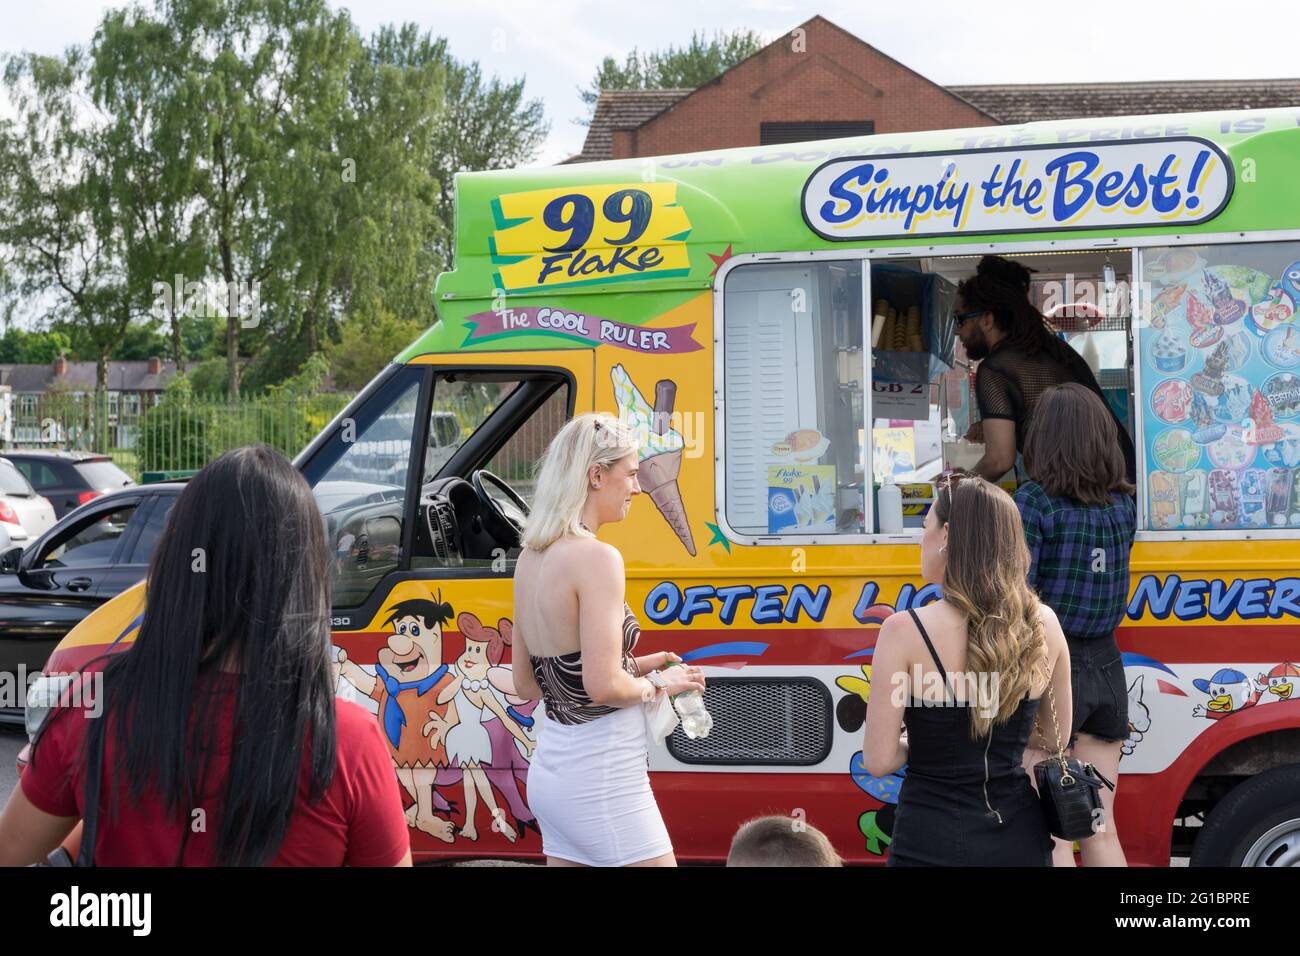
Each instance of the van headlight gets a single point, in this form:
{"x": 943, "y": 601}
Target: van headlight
{"x": 43, "y": 695}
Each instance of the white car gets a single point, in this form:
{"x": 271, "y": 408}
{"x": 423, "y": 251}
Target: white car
{"x": 24, "y": 515}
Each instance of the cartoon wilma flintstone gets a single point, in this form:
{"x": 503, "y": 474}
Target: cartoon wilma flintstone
{"x": 408, "y": 679}
{"x": 469, "y": 744}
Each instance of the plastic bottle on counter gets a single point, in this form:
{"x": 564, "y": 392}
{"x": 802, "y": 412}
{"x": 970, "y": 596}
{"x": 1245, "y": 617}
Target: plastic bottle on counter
{"x": 890, "y": 502}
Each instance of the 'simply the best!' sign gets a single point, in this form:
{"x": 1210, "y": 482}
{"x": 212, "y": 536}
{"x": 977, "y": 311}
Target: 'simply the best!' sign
{"x": 1180, "y": 181}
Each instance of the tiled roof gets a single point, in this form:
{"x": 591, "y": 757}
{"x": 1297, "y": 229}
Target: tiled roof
{"x": 81, "y": 377}
{"x": 1010, "y": 103}
{"x": 1028, "y": 102}
{"x": 622, "y": 109}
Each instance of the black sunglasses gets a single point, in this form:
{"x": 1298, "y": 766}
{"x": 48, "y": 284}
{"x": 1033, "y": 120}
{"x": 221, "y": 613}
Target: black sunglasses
{"x": 961, "y": 318}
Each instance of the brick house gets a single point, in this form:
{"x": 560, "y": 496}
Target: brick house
{"x": 28, "y": 393}
{"x": 819, "y": 82}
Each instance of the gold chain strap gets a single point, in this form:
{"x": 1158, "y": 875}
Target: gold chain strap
{"x": 1067, "y": 779}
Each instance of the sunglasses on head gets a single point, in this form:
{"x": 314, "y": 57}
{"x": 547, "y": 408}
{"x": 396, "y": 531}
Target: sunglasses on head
{"x": 949, "y": 481}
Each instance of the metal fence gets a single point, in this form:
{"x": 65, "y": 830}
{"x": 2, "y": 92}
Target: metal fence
{"x": 143, "y": 436}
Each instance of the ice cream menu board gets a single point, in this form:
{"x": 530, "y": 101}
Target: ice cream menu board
{"x": 1220, "y": 354}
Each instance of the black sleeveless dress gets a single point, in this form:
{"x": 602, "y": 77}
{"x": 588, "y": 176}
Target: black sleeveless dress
{"x": 967, "y": 802}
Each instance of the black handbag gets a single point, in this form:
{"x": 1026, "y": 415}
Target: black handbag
{"x": 1070, "y": 791}
{"x": 89, "y": 824}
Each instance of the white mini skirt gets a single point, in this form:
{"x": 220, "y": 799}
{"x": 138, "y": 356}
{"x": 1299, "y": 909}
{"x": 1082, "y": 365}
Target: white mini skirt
{"x": 590, "y": 789}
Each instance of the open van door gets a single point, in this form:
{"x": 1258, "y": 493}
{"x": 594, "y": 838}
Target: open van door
{"x": 423, "y": 552}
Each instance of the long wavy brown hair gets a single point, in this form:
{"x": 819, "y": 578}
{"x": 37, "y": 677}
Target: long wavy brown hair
{"x": 987, "y": 580}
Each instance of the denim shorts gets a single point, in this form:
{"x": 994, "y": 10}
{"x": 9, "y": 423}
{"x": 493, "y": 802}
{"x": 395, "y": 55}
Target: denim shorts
{"x": 1099, "y": 693}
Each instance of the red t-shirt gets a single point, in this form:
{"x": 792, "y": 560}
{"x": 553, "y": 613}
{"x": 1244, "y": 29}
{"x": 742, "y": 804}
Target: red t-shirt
{"x": 360, "y": 821}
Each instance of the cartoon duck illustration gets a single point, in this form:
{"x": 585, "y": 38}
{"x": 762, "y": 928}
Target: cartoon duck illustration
{"x": 1280, "y": 682}
{"x": 1230, "y": 691}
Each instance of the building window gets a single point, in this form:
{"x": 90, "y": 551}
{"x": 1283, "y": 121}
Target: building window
{"x": 771, "y": 134}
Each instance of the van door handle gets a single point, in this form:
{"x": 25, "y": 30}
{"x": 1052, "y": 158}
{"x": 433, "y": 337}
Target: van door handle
{"x": 79, "y": 584}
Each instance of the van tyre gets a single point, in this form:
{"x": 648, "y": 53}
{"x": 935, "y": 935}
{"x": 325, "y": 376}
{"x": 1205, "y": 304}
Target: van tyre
{"x": 1256, "y": 824}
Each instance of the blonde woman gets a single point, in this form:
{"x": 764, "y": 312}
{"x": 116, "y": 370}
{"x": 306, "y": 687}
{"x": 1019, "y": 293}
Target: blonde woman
{"x": 587, "y": 782}
{"x": 966, "y": 801}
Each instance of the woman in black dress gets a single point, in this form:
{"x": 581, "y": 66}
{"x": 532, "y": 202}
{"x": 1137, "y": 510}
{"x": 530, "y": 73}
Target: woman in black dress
{"x": 967, "y": 676}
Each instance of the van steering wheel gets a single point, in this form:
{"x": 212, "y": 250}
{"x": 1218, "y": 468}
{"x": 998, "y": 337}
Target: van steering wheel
{"x": 502, "y": 520}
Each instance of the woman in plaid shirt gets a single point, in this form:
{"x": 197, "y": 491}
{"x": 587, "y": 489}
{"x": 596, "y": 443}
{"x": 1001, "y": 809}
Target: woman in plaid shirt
{"x": 1080, "y": 519}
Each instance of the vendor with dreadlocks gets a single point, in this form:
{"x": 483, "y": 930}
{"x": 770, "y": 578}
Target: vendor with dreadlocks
{"x": 1019, "y": 358}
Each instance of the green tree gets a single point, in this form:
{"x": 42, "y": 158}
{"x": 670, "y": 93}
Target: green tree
{"x": 21, "y": 347}
{"x": 484, "y": 124}
{"x": 297, "y": 158}
{"x": 152, "y": 145}
{"x": 700, "y": 61}
{"x": 367, "y": 346}
{"x": 262, "y": 148}
{"x": 59, "y": 217}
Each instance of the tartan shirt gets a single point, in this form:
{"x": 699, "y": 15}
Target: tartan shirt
{"x": 1067, "y": 540}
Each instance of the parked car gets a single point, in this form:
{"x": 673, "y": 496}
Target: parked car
{"x": 69, "y": 478}
{"x": 24, "y": 515}
{"x": 93, "y": 554}
{"x": 380, "y": 456}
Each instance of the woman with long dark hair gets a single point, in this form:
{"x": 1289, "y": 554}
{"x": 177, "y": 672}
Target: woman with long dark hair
{"x": 1019, "y": 357}
{"x": 967, "y": 677}
{"x": 223, "y": 742}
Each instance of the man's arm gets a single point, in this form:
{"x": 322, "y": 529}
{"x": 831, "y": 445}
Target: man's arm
{"x": 999, "y": 449}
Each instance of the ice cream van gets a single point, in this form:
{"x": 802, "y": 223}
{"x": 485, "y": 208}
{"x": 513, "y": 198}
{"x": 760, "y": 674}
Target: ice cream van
{"x": 776, "y": 322}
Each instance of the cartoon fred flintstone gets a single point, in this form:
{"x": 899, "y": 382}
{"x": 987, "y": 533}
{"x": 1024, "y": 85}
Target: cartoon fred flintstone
{"x": 408, "y": 679}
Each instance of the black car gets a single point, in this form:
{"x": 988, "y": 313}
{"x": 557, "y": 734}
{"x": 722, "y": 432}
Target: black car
{"x": 92, "y": 555}
{"x": 69, "y": 479}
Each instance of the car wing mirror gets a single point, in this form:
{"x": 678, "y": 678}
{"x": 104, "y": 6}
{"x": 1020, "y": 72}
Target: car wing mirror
{"x": 9, "y": 560}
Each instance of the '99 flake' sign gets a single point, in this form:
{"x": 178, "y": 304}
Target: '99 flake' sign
{"x": 577, "y": 235}
{"x": 1029, "y": 189}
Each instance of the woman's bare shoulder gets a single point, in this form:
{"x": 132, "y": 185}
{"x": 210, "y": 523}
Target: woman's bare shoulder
{"x": 584, "y": 554}
{"x": 1051, "y": 627}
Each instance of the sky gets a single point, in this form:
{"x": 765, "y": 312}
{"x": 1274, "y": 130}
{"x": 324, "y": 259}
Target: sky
{"x": 556, "y": 45}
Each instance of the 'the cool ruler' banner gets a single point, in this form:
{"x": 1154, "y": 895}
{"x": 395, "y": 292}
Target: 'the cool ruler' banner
{"x": 1165, "y": 182}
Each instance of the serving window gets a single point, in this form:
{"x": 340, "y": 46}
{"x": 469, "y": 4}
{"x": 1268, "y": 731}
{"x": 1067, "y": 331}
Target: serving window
{"x": 793, "y": 377}
{"x": 812, "y": 427}
{"x": 1219, "y": 372}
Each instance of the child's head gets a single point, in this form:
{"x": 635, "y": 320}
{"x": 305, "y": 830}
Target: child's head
{"x": 781, "y": 841}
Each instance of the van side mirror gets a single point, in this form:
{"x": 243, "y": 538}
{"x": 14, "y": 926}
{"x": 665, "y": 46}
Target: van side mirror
{"x": 9, "y": 560}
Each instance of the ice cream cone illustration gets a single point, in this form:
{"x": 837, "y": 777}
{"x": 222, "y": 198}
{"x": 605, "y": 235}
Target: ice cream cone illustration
{"x": 661, "y": 449}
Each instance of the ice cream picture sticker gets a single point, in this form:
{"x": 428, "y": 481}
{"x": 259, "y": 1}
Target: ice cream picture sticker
{"x": 800, "y": 498}
{"x": 661, "y": 448}
{"x": 1175, "y": 451}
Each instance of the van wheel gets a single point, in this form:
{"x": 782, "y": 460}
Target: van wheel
{"x": 1256, "y": 824}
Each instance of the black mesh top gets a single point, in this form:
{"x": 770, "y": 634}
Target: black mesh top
{"x": 1009, "y": 382}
